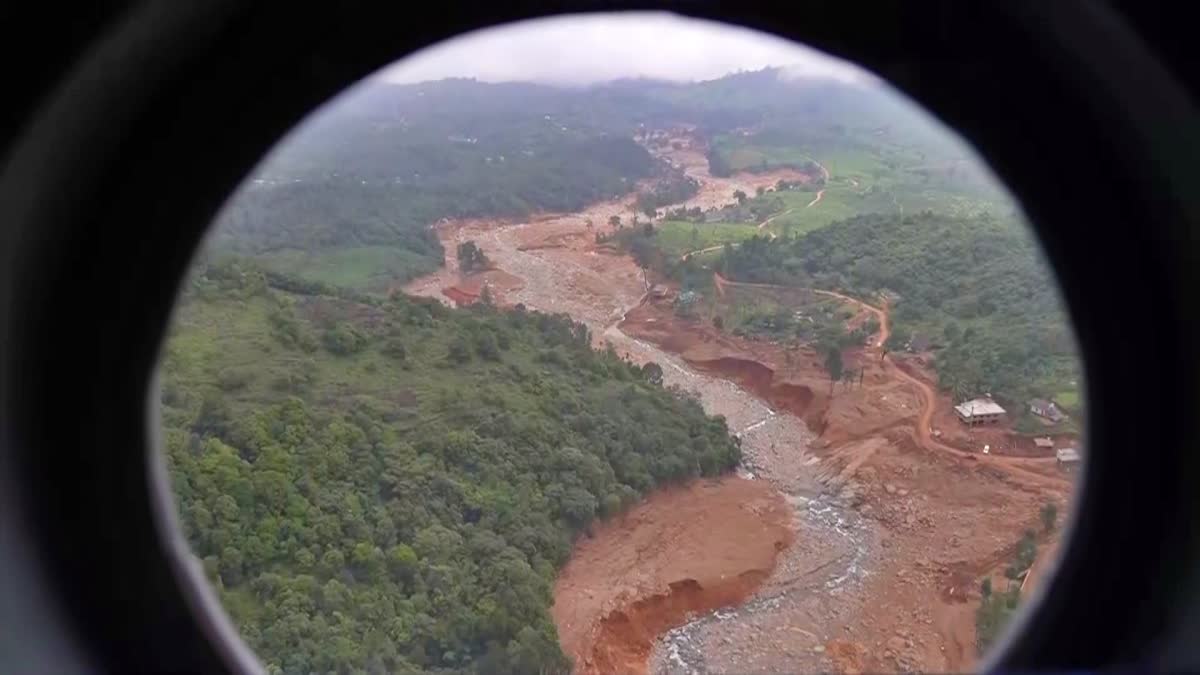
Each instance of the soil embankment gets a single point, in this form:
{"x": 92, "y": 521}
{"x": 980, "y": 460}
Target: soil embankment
{"x": 655, "y": 566}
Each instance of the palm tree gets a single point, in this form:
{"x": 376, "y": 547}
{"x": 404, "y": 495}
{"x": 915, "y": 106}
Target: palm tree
{"x": 959, "y": 389}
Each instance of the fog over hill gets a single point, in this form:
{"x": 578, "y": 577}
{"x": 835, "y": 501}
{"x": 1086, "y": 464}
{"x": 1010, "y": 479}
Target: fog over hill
{"x": 586, "y": 49}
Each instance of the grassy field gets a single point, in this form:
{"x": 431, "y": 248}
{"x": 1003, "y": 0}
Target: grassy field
{"x": 364, "y": 268}
{"x": 1068, "y": 399}
{"x": 746, "y": 157}
{"x": 238, "y": 336}
{"x": 784, "y": 316}
{"x": 837, "y": 202}
{"x": 864, "y": 177}
{"x": 676, "y": 237}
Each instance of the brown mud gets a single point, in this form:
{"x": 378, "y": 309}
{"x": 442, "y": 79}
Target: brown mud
{"x": 655, "y": 566}
{"x": 872, "y": 516}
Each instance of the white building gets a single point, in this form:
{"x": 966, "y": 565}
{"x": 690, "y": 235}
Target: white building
{"x": 1067, "y": 457}
{"x": 979, "y": 411}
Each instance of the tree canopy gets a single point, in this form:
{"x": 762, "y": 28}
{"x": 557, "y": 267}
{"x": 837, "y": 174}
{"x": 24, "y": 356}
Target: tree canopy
{"x": 976, "y": 286}
{"x": 397, "y": 492}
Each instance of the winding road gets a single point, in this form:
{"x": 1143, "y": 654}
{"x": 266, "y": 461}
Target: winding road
{"x": 1017, "y": 467}
{"x": 821, "y": 192}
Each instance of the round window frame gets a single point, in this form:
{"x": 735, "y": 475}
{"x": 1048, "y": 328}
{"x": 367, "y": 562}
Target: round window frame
{"x": 154, "y": 75}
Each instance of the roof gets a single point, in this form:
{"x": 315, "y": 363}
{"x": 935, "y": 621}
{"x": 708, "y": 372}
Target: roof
{"x": 1044, "y": 442}
{"x": 979, "y": 406}
{"x": 1067, "y": 455}
{"x": 1040, "y": 403}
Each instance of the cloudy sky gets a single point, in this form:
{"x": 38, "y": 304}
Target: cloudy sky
{"x": 596, "y": 48}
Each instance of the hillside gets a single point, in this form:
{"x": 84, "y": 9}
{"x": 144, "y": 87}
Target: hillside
{"x": 975, "y": 286}
{"x": 386, "y": 163}
{"x": 392, "y": 485}
{"x": 380, "y": 483}
{"x": 350, "y": 195}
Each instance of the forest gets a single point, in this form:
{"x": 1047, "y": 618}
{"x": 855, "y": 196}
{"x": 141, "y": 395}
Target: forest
{"x": 671, "y": 190}
{"x": 390, "y": 485}
{"x": 976, "y": 287}
{"x": 387, "y": 161}
{"x": 379, "y": 169}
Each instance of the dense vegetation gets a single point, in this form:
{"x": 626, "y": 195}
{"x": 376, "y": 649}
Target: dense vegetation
{"x": 673, "y": 190}
{"x": 390, "y": 486}
{"x": 997, "y": 607}
{"x": 977, "y": 287}
{"x": 385, "y": 164}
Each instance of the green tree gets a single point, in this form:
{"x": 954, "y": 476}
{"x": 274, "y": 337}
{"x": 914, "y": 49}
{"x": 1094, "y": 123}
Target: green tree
{"x": 1026, "y": 551}
{"x": 343, "y": 339}
{"x": 739, "y": 196}
{"x": 643, "y": 251}
{"x": 614, "y": 221}
{"x": 848, "y": 376}
{"x": 993, "y": 616}
{"x": 458, "y": 351}
{"x": 951, "y": 331}
{"x": 834, "y": 365}
{"x": 653, "y": 373}
{"x": 471, "y": 257}
{"x": 214, "y": 417}
{"x": 485, "y": 296}
{"x": 395, "y": 349}
{"x": 487, "y": 346}
{"x": 1049, "y": 515}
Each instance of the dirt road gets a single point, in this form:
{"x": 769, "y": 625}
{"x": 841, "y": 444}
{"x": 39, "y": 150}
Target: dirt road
{"x": 821, "y": 192}
{"x": 943, "y": 520}
{"x": 767, "y": 221}
{"x": 1036, "y": 471}
{"x": 701, "y": 251}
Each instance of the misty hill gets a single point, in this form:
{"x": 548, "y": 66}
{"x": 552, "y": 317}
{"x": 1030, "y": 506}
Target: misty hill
{"x": 377, "y": 172}
{"x": 364, "y": 178}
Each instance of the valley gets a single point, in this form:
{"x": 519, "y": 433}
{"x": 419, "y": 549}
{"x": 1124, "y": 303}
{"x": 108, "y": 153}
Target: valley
{"x": 892, "y": 523}
{"x": 642, "y": 376}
